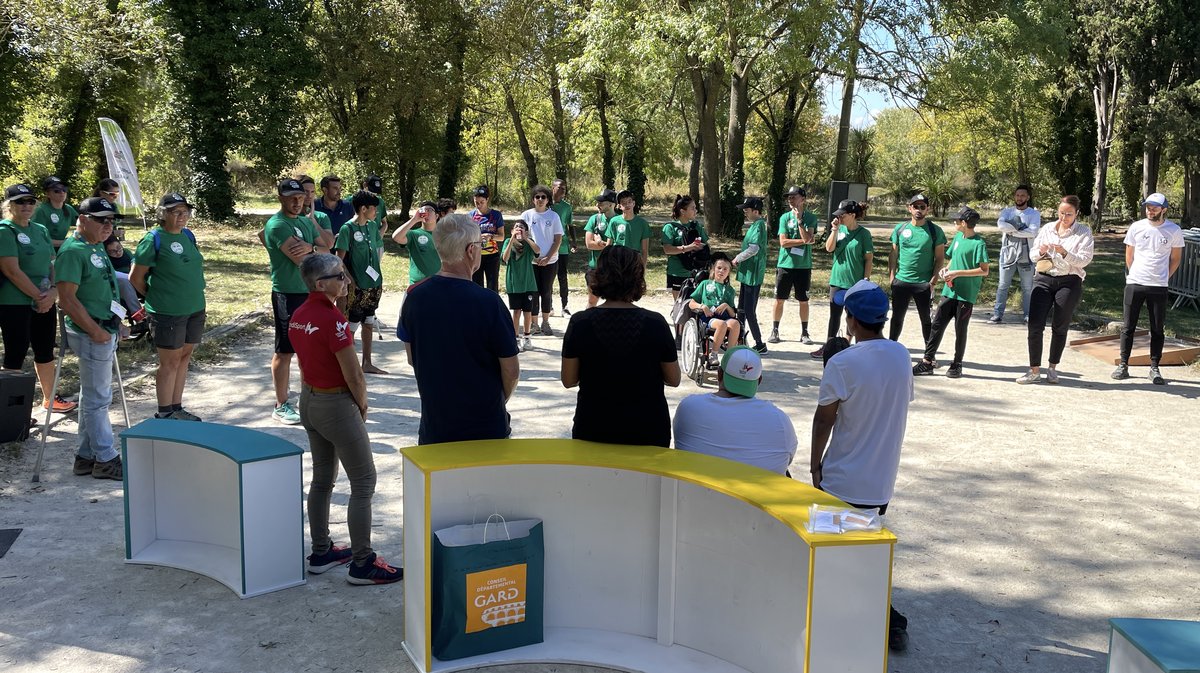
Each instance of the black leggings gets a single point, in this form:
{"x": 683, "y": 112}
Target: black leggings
{"x": 22, "y": 328}
{"x": 544, "y": 275}
{"x": 1062, "y": 294}
{"x": 835, "y": 314}
{"x": 921, "y": 295}
{"x": 562, "y": 278}
{"x": 748, "y": 308}
{"x": 1155, "y": 299}
{"x": 489, "y": 270}
{"x": 950, "y": 309}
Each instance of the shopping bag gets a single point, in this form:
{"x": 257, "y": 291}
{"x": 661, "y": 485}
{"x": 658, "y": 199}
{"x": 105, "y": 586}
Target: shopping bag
{"x": 487, "y": 587}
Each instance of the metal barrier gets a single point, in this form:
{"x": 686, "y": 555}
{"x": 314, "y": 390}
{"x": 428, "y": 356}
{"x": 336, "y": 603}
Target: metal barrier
{"x": 1185, "y": 284}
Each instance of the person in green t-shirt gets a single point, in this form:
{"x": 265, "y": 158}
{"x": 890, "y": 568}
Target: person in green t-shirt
{"x": 520, "y": 251}
{"x": 714, "y": 296}
{"x": 918, "y": 249}
{"x": 751, "y": 265}
{"x": 629, "y": 229}
{"x": 358, "y": 243}
{"x": 87, "y": 293}
{"x": 374, "y": 184}
{"x": 681, "y": 239}
{"x": 963, "y": 277}
{"x": 55, "y": 214}
{"x": 853, "y": 253}
{"x": 566, "y": 214}
{"x": 595, "y": 237}
{"x": 168, "y": 270}
{"x": 320, "y": 221}
{"x": 797, "y": 229}
{"x": 27, "y": 313}
{"x": 416, "y": 235}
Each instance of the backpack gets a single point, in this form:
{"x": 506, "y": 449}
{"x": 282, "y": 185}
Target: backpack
{"x": 158, "y": 239}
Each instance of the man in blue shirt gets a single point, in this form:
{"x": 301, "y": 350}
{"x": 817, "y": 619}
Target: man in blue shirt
{"x": 331, "y": 203}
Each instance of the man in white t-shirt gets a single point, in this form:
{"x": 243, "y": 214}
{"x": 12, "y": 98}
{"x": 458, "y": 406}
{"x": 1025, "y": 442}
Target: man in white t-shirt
{"x": 1153, "y": 249}
{"x": 547, "y": 231}
{"x": 1018, "y": 224}
{"x": 731, "y": 423}
{"x": 862, "y": 414}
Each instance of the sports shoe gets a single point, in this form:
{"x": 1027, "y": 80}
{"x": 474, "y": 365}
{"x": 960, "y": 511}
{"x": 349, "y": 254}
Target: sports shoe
{"x": 535, "y": 328}
{"x": 955, "y": 371}
{"x": 566, "y": 312}
{"x": 184, "y": 415}
{"x": 111, "y": 469}
{"x": 1121, "y": 372}
{"x": 713, "y": 360}
{"x": 805, "y": 339}
{"x": 285, "y": 413}
{"x": 818, "y": 354}
{"x": 923, "y": 368}
{"x": 336, "y": 556}
{"x": 83, "y": 466}
{"x": 546, "y": 331}
{"x": 60, "y": 406}
{"x": 1052, "y": 376}
{"x": 761, "y": 348}
{"x": 374, "y": 571}
{"x": 995, "y": 320}
{"x": 520, "y": 345}
{"x": 1029, "y": 377}
{"x": 897, "y": 639}
{"x": 526, "y": 343}
{"x": 1156, "y": 376}
{"x": 774, "y": 338}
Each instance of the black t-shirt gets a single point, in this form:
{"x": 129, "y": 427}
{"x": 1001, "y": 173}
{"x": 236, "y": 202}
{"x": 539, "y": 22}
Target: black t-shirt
{"x": 123, "y": 263}
{"x": 458, "y": 332}
{"x": 620, "y": 352}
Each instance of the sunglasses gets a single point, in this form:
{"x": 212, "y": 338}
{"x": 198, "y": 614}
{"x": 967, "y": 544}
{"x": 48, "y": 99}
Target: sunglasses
{"x": 101, "y": 220}
{"x": 113, "y": 194}
{"x": 340, "y": 275}
{"x": 58, "y": 191}
{"x": 26, "y": 202}
{"x": 540, "y": 197}
{"x": 920, "y": 206}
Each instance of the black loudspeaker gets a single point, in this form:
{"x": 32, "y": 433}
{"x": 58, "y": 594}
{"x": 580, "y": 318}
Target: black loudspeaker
{"x": 16, "y": 405}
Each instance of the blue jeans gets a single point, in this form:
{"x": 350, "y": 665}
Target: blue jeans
{"x": 95, "y": 395}
{"x": 1006, "y": 279}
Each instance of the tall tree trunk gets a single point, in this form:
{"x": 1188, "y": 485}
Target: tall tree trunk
{"x": 74, "y": 131}
{"x": 634, "y": 142}
{"x": 705, "y": 96}
{"x": 1151, "y": 162}
{"x": 1105, "y": 92}
{"x": 694, "y": 170}
{"x": 1018, "y": 119}
{"x": 559, "y": 126}
{"x": 733, "y": 186}
{"x": 1191, "y": 194}
{"x": 531, "y": 175}
{"x": 843, "y": 138}
{"x": 608, "y": 168}
{"x": 453, "y": 158}
{"x": 781, "y": 151}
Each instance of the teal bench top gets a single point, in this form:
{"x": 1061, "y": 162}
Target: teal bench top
{"x": 1172, "y": 644}
{"x": 241, "y": 445}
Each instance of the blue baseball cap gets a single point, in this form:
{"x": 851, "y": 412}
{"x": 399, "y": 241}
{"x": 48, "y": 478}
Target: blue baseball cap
{"x": 1156, "y": 199}
{"x": 866, "y": 301}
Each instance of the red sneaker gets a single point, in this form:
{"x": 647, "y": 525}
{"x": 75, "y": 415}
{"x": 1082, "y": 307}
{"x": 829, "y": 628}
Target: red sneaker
{"x": 60, "y": 406}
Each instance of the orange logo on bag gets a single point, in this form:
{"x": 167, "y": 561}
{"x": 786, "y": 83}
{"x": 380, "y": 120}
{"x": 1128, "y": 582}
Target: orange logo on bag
{"x": 495, "y": 597}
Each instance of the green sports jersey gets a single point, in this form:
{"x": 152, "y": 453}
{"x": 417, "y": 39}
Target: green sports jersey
{"x": 751, "y": 271}
{"x": 966, "y": 253}
{"x": 628, "y": 233}
{"x": 799, "y": 257}
{"x": 914, "y": 250}
{"x": 57, "y": 221}
{"x": 672, "y": 234}
{"x": 849, "y": 263}
{"x": 565, "y": 213}
{"x": 381, "y": 217}
{"x": 322, "y": 220}
{"x": 518, "y": 277}
{"x": 285, "y": 274}
{"x": 32, "y": 247}
{"x": 423, "y": 258}
{"x": 175, "y": 283}
{"x": 361, "y": 243}
{"x": 712, "y": 294}
{"x": 87, "y": 266}
{"x": 597, "y": 224}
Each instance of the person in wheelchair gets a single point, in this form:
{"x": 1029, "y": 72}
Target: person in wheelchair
{"x": 714, "y": 297}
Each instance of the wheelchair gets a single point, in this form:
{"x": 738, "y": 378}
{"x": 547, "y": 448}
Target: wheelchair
{"x": 693, "y": 335}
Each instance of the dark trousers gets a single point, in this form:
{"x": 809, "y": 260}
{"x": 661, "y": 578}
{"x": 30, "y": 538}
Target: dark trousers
{"x": 562, "y": 278}
{"x": 748, "y": 307}
{"x": 489, "y": 271}
{"x": 1155, "y": 299}
{"x": 835, "y": 314}
{"x": 950, "y": 309}
{"x": 921, "y": 295}
{"x": 544, "y": 275}
{"x": 1060, "y": 293}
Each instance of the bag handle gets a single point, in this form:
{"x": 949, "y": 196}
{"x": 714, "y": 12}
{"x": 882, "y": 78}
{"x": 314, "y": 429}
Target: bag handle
{"x": 489, "y": 521}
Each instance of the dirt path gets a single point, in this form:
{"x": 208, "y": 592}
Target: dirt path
{"x": 1026, "y": 516}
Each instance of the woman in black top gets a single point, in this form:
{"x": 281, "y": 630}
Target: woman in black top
{"x": 620, "y": 356}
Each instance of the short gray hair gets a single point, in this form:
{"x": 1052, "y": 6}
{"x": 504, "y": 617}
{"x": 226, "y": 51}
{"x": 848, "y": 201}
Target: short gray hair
{"x": 453, "y": 234}
{"x": 317, "y": 266}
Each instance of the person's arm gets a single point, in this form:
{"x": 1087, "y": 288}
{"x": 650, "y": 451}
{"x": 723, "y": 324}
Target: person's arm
{"x": 401, "y": 234}
{"x": 12, "y": 270}
{"x": 981, "y": 270}
{"x": 569, "y": 372}
{"x": 593, "y": 241}
{"x": 347, "y": 359}
{"x": 70, "y": 304}
{"x": 324, "y": 236}
{"x": 1129, "y": 259}
{"x": 510, "y": 373}
{"x": 1002, "y": 222}
{"x": 823, "y": 420}
{"x": 645, "y": 247}
{"x": 670, "y": 373}
{"x": 831, "y": 239}
{"x": 939, "y": 258}
{"x": 868, "y": 260}
{"x": 505, "y": 252}
{"x": 893, "y": 263}
{"x": 137, "y": 278}
{"x": 1176, "y": 258}
{"x": 534, "y": 246}
{"x": 297, "y": 249}
{"x": 750, "y": 251}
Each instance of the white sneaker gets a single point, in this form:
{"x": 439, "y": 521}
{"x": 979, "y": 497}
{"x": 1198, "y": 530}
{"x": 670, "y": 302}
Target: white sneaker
{"x": 526, "y": 343}
{"x": 520, "y": 345}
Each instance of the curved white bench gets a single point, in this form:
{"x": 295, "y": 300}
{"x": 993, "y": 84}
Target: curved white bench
{"x": 656, "y": 560}
{"x": 217, "y": 500}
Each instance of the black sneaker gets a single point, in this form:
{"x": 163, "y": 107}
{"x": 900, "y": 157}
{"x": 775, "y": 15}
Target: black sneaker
{"x": 897, "y": 639}
{"x": 923, "y": 368}
{"x": 374, "y": 571}
{"x": 761, "y": 348}
{"x": 336, "y": 556}
{"x": 566, "y": 312}
{"x": 1121, "y": 372}
{"x": 1156, "y": 376}
{"x": 955, "y": 371}
{"x": 83, "y": 466}
{"x": 111, "y": 469}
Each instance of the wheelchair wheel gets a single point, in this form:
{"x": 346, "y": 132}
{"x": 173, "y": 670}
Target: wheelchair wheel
{"x": 692, "y": 351}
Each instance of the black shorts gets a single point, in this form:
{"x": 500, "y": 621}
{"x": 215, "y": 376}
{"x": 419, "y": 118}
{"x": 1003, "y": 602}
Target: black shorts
{"x": 171, "y": 332}
{"x": 361, "y": 304}
{"x": 283, "y": 305}
{"x": 523, "y": 301}
{"x": 788, "y": 279}
{"x": 22, "y": 328}
{"x": 675, "y": 282}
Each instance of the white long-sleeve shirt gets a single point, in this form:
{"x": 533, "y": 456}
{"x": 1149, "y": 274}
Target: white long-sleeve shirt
{"x": 1016, "y": 239}
{"x": 1078, "y": 243}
